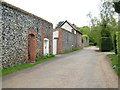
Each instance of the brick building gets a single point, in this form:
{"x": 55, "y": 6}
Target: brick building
{"x": 24, "y": 36}
{"x": 65, "y": 38}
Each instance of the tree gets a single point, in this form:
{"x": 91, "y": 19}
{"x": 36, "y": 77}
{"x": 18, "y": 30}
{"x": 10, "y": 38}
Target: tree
{"x": 107, "y": 14}
{"x": 94, "y": 29}
{"x": 59, "y": 24}
{"x": 93, "y": 20}
{"x": 108, "y": 22}
{"x": 116, "y": 5}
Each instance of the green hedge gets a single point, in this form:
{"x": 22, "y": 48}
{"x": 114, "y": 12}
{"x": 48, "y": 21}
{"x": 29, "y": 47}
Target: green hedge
{"x": 106, "y": 44}
{"x": 118, "y": 44}
{"x": 115, "y": 43}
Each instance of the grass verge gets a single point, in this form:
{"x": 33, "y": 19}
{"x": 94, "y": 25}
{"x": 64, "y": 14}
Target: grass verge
{"x": 25, "y": 65}
{"x": 74, "y": 49}
{"x": 114, "y": 61}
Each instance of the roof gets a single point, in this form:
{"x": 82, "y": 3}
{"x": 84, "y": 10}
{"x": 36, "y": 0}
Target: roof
{"x": 70, "y": 25}
{"x": 22, "y": 11}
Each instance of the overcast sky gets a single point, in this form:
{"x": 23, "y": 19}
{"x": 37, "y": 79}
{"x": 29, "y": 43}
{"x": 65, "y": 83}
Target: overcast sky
{"x": 74, "y": 11}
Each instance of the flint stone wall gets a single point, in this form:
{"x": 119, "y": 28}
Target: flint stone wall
{"x": 16, "y": 23}
{"x": 79, "y": 40}
{"x": 68, "y": 41}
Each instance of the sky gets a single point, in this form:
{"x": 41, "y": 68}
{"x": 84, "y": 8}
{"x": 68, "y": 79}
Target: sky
{"x": 74, "y": 11}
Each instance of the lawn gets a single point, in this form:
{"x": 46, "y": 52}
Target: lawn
{"x": 25, "y": 65}
{"x": 114, "y": 61}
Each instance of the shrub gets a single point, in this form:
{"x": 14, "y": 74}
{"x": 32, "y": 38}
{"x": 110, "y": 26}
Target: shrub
{"x": 48, "y": 56}
{"x": 105, "y": 44}
{"x": 51, "y": 55}
{"x": 118, "y": 45}
{"x": 115, "y": 43}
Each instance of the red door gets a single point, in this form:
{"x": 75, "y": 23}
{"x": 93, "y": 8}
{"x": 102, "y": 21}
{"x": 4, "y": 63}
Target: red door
{"x": 31, "y": 48}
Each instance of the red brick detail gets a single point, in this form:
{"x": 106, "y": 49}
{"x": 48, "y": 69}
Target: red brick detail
{"x": 32, "y": 46}
{"x": 46, "y": 37}
{"x": 59, "y": 48}
{"x": 51, "y": 40}
{"x": 42, "y": 43}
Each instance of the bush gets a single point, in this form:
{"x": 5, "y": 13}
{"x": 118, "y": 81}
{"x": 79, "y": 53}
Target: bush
{"x": 118, "y": 45}
{"x": 115, "y": 43}
{"x": 51, "y": 55}
{"x": 91, "y": 44}
{"x": 48, "y": 56}
{"x": 117, "y": 39}
{"x": 105, "y": 44}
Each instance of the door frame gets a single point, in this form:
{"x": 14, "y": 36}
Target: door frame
{"x": 34, "y": 46}
{"x": 56, "y": 45}
{"x": 46, "y": 39}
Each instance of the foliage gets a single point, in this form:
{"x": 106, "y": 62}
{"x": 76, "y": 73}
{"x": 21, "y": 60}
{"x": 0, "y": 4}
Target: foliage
{"x": 48, "y": 56}
{"x": 85, "y": 37}
{"x": 115, "y": 43}
{"x": 117, "y": 6}
{"x": 105, "y": 44}
{"x": 26, "y": 65}
{"x": 106, "y": 13}
{"x": 118, "y": 42}
{"x": 118, "y": 45}
{"x": 114, "y": 61}
{"x": 107, "y": 24}
{"x": 59, "y": 24}
{"x": 93, "y": 33}
{"x": 85, "y": 30}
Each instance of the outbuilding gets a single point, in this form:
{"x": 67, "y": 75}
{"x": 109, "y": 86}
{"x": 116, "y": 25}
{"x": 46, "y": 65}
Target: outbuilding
{"x": 66, "y": 37}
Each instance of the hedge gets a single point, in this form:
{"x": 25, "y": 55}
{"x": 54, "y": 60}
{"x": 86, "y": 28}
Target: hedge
{"x": 118, "y": 44}
{"x": 106, "y": 44}
{"x": 115, "y": 42}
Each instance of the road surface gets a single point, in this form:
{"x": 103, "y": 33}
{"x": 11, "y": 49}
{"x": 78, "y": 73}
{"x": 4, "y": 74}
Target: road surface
{"x": 86, "y": 68}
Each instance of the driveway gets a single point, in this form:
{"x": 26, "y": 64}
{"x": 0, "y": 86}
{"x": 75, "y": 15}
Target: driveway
{"x": 86, "y": 68}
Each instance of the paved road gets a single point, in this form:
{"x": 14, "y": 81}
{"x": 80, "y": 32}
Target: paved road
{"x": 81, "y": 69}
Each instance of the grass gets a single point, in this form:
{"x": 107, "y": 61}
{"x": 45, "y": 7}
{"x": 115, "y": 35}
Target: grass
{"x": 114, "y": 61}
{"x": 25, "y": 65}
{"x": 88, "y": 46}
{"x": 74, "y": 49}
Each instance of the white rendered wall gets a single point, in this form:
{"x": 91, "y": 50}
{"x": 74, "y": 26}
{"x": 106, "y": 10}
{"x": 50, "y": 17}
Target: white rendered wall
{"x": 66, "y": 26}
{"x": 55, "y": 34}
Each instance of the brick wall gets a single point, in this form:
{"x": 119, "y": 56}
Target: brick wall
{"x": 59, "y": 42}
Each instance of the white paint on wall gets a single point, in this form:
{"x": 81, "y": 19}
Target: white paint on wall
{"x": 66, "y": 26}
{"x": 55, "y": 34}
